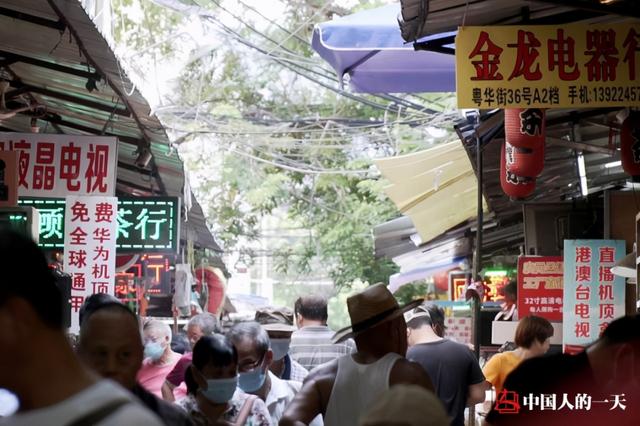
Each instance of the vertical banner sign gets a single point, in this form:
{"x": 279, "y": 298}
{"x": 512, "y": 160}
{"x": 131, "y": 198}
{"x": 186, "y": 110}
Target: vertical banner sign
{"x": 90, "y": 235}
{"x": 548, "y": 66}
{"x": 593, "y": 296}
{"x": 540, "y": 287}
{"x": 60, "y": 165}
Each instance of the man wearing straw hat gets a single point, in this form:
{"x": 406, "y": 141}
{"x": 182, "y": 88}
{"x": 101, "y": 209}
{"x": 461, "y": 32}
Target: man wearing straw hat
{"x": 344, "y": 389}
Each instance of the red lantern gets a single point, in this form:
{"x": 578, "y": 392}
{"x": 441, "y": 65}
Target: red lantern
{"x": 630, "y": 144}
{"x": 525, "y": 128}
{"x": 441, "y": 280}
{"x": 208, "y": 276}
{"x": 524, "y": 161}
{"x": 513, "y": 185}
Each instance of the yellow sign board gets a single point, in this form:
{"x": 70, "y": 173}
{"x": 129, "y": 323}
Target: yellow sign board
{"x": 548, "y": 66}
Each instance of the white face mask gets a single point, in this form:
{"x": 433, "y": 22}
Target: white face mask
{"x": 280, "y": 348}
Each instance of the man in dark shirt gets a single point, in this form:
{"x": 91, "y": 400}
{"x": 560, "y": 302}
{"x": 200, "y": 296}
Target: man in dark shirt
{"x": 598, "y": 386}
{"x": 454, "y": 371}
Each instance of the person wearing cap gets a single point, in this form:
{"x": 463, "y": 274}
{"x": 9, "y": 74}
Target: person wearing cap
{"x": 453, "y": 368}
{"x": 344, "y": 390}
{"x": 278, "y": 323}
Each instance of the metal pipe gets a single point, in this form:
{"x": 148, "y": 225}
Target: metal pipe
{"x": 477, "y": 266}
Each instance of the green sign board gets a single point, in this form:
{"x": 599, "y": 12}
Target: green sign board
{"x": 144, "y": 224}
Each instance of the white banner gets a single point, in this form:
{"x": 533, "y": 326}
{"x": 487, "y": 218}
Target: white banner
{"x": 59, "y": 165}
{"x": 91, "y": 229}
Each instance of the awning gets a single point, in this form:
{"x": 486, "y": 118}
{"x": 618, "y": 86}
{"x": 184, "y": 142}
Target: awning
{"x": 436, "y": 188}
{"x": 398, "y": 280}
{"x": 54, "y": 56}
{"x": 367, "y": 46}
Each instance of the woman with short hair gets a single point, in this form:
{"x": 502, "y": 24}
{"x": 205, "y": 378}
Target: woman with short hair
{"x": 532, "y": 338}
{"x": 213, "y": 397}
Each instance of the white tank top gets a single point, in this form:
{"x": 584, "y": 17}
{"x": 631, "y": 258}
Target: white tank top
{"x": 356, "y": 388}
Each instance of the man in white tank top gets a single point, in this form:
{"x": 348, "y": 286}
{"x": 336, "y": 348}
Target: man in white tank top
{"x": 344, "y": 389}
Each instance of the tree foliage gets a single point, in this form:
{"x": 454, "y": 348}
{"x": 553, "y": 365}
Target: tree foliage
{"x": 259, "y": 136}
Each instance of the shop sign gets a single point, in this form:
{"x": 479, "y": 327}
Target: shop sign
{"x": 61, "y": 165}
{"x": 548, "y": 66}
{"x": 458, "y": 281}
{"x": 459, "y": 329}
{"x": 89, "y": 248}
{"x": 144, "y": 224}
{"x": 540, "y": 287}
{"x": 593, "y": 295}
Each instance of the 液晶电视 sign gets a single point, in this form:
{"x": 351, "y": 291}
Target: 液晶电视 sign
{"x": 548, "y": 66}
{"x": 144, "y": 224}
{"x": 61, "y": 165}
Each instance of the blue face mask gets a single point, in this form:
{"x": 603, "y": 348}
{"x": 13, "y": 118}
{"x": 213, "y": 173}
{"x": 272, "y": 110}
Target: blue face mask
{"x": 153, "y": 350}
{"x": 280, "y": 348}
{"x": 252, "y": 380}
{"x": 220, "y": 391}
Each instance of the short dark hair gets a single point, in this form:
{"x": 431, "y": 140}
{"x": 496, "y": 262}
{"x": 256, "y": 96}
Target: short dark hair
{"x": 217, "y": 350}
{"x": 435, "y": 317}
{"x": 531, "y": 328}
{"x": 312, "y": 307}
{"x": 93, "y": 303}
{"x": 253, "y": 331}
{"x": 27, "y": 275}
{"x": 511, "y": 288}
{"x": 102, "y": 304}
{"x": 179, "y": 343}
{"x": 622, "y": 330}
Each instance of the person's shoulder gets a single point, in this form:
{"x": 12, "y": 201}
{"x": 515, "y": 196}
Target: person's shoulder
{"x": 132, "y": 414}
{"x": 172, "y": 414}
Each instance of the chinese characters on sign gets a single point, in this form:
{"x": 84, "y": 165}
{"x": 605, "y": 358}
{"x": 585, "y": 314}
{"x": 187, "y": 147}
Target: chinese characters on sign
{"x": 147, "y": 224}
{"x": 548, "y": 66}
{"x": 593, "y": 296}
{"x": 540, "y": 287}
{"x": 90, "y": 248}
{"x": 59, "y": 165}
{"x": 459, "y": 329}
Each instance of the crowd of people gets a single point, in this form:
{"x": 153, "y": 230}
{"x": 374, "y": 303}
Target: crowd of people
{"x": 391, "y": 366}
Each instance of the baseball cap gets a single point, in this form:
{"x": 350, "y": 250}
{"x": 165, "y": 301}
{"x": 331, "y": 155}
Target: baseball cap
{"x": 275, "y": 319}
{"x": 418, "y": 312}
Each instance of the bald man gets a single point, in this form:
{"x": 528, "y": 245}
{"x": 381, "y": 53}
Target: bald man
{"x": 110, "y": 344}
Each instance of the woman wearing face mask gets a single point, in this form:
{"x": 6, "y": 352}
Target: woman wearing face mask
{"x": 213, "y": 397}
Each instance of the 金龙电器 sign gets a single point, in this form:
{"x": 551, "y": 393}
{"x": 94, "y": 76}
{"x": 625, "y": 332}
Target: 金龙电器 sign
{"x": 548, "y": 66}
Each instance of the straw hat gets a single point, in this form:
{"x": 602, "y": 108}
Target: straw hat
{"x": 408, "y": 405}
{"x": 372, "y": 306}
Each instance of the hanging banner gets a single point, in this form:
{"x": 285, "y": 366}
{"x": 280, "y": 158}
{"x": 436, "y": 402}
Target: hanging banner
{"x": 89, "y": 248}
{"x": 593, "y": 296}
{"x": 540, "y": 287}
{"x": 61, "y": 165}
{"x": 149, "y": 224}
{"x": 548, "y": 66}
